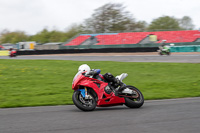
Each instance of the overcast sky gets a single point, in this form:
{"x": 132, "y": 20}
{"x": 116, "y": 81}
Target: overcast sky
{"x": 32, "y": 16}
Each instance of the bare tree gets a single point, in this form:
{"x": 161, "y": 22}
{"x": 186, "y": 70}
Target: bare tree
{"x": 111, "y": 17}
{"x": 186, "y": 23}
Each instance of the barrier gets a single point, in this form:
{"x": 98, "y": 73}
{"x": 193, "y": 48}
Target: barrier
{"x": 192, "y": 48}
{"x": 109, "y": 46}
{"x": 152, "y": 47}
{"x": 103, "y": 50}
{"x": 46, "y": 47}
{"x": 4, "y": 52}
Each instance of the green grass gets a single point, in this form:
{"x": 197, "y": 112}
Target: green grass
{"x": 48, "y": 82}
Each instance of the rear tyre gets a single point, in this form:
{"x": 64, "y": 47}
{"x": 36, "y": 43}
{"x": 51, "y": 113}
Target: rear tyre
{"x": 82, "y": 103}
{"x": 160, "y": 53}
{"x": 135, "y": 102}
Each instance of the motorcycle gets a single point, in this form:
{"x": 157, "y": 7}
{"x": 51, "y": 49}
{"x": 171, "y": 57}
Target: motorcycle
{"x": 90, "y": 93}
{"x": 164, "y": 51}
{"x": 13, "y": 53}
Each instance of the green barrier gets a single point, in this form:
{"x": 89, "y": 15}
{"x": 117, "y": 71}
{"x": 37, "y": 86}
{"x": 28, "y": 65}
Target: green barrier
{"x": 197, "y": 48}
{"x": 187, "y": 43}
{"x": 192, "y": 48}
{"x": 4, "y": 52}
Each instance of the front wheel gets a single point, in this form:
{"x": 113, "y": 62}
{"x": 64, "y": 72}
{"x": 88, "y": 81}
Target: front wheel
{"x": 14, "y": 55}
{"x": 82, "y": 103}
{"x": 135, "y": 101}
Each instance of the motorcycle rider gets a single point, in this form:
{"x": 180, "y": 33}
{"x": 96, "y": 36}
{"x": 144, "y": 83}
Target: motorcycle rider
{"x": 162, "y": 45}
{"x": 108, "y": 77}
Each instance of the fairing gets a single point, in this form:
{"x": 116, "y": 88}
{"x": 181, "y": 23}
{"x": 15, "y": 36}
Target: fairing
{"x": 98, "y": 86}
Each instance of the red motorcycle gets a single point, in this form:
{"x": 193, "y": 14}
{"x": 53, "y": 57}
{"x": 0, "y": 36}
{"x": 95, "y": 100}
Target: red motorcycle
{"x": 12, "y": 53}
{"x": 90, "y": 92}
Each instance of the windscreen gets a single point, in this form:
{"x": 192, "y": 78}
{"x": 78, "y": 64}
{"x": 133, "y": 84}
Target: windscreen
{"x": 78, "y": 73}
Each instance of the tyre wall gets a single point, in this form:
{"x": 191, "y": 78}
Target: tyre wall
{"x": 103, "y": 50}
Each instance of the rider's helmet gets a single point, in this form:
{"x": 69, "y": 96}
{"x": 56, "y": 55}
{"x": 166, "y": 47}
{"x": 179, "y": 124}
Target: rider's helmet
{"x": 84, "y": 68}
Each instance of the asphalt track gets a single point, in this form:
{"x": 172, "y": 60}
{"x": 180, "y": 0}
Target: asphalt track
{"x": 122, "y": 57}
{"x": 155, "y": 116}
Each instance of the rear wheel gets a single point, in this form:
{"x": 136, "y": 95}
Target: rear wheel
{"x": 168, "y": 53}
{"x": 137, "y": 99}
{"x": 82, "y": 103}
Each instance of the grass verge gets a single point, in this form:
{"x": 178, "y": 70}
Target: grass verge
{"x": 48, "y": 82}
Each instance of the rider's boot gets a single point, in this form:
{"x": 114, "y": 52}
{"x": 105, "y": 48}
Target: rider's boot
{"x": 120, "y": 89}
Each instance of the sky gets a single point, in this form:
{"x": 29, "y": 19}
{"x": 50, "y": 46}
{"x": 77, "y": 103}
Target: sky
{"x": 32, "y": 16}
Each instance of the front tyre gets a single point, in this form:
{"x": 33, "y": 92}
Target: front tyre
{"x": 82, "y": 103}
{"x": 14, "y": 55}
{"x": 136, "y": 101}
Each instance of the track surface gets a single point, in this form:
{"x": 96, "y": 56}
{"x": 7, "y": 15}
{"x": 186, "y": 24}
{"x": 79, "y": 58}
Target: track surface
{"x": 122, "y": 57}
{"x": 156, "y": 116}
{"x": 159, "y": 116}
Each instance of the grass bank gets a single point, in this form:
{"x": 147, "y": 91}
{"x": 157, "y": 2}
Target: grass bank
{"x": 48, "y": 82}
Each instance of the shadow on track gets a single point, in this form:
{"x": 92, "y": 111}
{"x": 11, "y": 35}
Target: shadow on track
{"x": 112, "y": 108}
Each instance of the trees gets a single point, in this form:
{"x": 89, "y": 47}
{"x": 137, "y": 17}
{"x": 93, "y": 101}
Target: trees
{"x": 186, "y": 23}
{"x": 42, "y": 36}
{"x": 164, "y": 23}
{"x": 13, "y": 37}
{"x": 72, "y": 30}
{"x": 46, "y": 36}
{"x": 171, "y": 23}
{"x": 111, "y": 17}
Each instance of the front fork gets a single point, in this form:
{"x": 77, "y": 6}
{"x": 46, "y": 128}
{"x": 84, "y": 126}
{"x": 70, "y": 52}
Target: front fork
{"x": 84, "y": 93}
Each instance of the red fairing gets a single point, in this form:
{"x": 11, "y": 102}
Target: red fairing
{"x": 13, "y": 52}
{"x": 98, "y": 86}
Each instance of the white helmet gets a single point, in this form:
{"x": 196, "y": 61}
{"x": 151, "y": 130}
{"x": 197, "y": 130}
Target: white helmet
{"x": 84, "y": 68}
